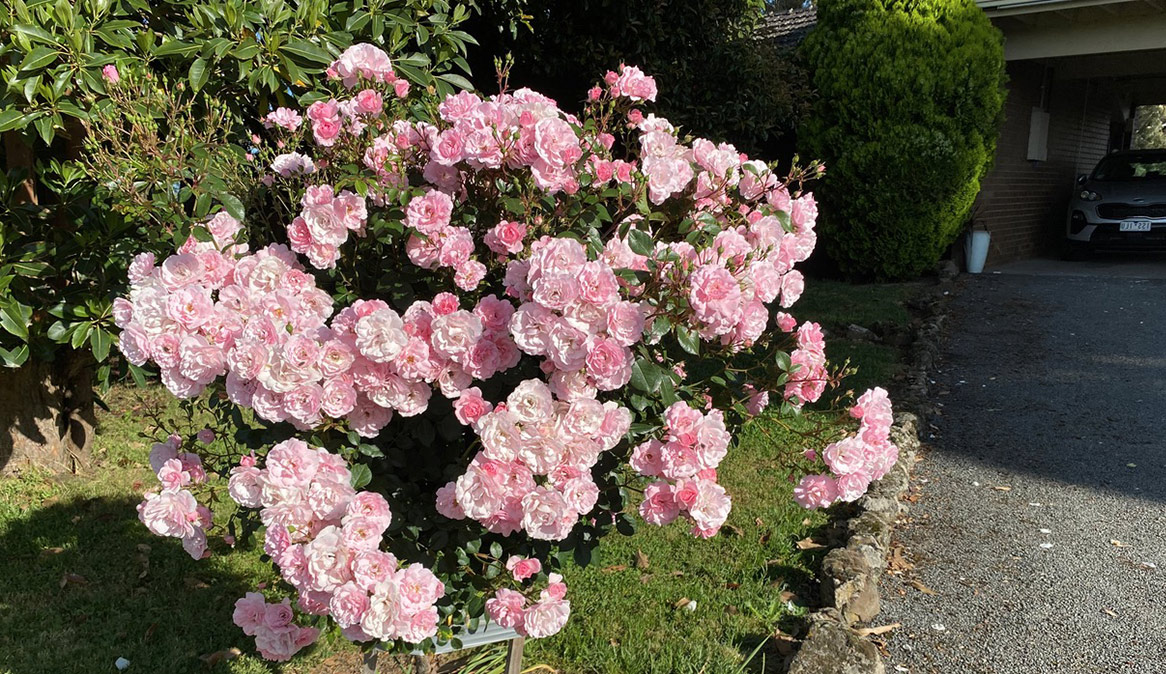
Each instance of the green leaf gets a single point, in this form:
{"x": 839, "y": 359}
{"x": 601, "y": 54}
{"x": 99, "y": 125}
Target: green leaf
{"x": 233, "y": 205}
{"x": 15, "y": 318}
{"x": 361, "y": 476}
{"x": 58, "y": 332}
{"x": 370, "y": 450}
{"x": 139, "y": 375}
{"x": 308, "y": 51}
{"x": 38, "y": 58}
{"x": 11, "y": 119}
{"x": 640, "y": 242}
{"x": 35, "y": 33}
{"x": 689, "y": 340}
{"x": 457, "y": 80}
{"x": 14, "y": 357}
{"x": 646, "y": 376}
{"x": 100, "y": 340}
{"x": 198, "y": 74}
{"x": 173, "y": 47}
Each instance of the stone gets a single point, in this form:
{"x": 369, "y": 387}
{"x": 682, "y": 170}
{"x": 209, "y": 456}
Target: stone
{"x": 873, "y": 527}
{"x": 832, "y": 648}
{"x": 861, "y": 334}
{"x": 850, "y": 585}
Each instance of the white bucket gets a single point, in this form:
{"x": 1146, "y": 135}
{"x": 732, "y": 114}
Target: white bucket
{"x": 976, "y": 250}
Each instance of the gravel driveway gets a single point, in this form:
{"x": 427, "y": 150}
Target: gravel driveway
{"x": 1041, "y": 522}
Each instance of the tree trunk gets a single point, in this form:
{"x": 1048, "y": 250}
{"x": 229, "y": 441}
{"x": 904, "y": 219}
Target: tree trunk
{"x": 48, "y": 412}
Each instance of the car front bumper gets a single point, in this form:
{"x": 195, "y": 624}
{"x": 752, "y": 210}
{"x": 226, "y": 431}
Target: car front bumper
{"x": 1084, "y": 227}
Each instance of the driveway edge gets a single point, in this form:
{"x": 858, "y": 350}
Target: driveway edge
{"x": 850, "y": 574}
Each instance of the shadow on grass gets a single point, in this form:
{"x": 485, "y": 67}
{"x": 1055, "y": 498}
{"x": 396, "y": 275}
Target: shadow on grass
{"x": 83, "y": 583}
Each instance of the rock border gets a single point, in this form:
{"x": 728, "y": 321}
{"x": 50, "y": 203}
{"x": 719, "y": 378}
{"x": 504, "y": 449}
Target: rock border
{"x": 850, "y": 573}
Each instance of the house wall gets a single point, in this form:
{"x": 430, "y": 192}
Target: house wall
{"x": 1022, "y": 202}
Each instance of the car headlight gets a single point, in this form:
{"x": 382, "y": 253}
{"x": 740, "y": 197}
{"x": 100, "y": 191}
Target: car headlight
{"x": 1089, "y": 195}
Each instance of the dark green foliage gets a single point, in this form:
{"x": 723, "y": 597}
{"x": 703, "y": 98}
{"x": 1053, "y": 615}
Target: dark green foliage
{"x": 910, "y": 98}
{"x": 64, "y": 247}
{"x": 715, "y": 78}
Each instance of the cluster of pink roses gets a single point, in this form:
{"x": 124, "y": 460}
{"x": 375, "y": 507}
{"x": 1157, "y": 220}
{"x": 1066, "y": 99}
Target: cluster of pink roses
{"x": 277, "y": 638}
{"x": 260, "y": 320}
{"x": 573, "y": 315}
{"x": 325, "y": 537}
{"x": 174, "y": 511}
{"x": 546, "y": 616}
{"x": 856, "y": 460}
{"x": 686, "y": 461}
{"x": 574, "y": 303}
{"x": 324, "y": 223}
{"x": 532, "y": 435}
{"x": 436, "y": 243}
{"x": 808, "y": 376}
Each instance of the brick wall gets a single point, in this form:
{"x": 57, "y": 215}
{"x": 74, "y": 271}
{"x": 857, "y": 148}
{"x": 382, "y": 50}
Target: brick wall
{"x": 1022, "y": 202}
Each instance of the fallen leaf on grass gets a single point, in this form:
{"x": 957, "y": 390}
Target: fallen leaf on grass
{"x": 1002, "y": 488}
{"x": 676, "y": 574}
{"x": 881, "y": 629}
{"x": 73, "y": 579}
{"x": 614, "y": 568}
{"x": 51, "y": 551}
{"x": 1118, "y": 544}
{"x": 732, "y": 586}
{"x": 806, "y": 522}
{"x": 787, "y": 596}
{"x": 645, "y": 578}
{"x": 212, "y": 659}
{"x": 918, "y": 585}
{"x": 732, "y": 529}
{"x": 809, "y": 544}
{"x": 149, "y": 631}
{"x": 682, "y": 602}
{"x": 641, "y": 560}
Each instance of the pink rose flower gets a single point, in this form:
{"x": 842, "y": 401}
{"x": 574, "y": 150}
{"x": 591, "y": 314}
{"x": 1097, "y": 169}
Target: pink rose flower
{"x": 523, "y": 567}
{"x": 546, "y": 617}
{"x": 469, "y": 407}
{"x": 816, "y": 491}
{"x": 507, "y": 608}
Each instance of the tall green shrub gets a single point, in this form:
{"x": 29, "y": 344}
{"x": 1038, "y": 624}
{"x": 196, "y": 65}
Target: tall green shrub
{"x": 910, "y": 98}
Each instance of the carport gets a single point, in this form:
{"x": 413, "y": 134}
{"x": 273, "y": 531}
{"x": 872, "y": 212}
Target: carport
{"x": 1077, "y": 71}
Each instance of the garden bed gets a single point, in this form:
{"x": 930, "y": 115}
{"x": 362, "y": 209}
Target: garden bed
{"x": 83, "y": 583}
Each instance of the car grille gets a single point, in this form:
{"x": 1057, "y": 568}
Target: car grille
{"x": 1123, "y": 211}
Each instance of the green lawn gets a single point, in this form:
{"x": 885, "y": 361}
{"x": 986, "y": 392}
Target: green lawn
{"x": 626, "y": 620}
{"x": 83, "y": 583}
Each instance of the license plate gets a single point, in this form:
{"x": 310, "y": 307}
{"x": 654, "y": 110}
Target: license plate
{"x": 1134, "y": 226}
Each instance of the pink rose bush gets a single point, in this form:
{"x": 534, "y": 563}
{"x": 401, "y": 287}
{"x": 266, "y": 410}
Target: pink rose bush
{"x": 492, "y": 319}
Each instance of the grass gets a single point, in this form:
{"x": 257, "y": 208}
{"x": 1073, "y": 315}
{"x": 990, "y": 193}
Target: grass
{"x": 83, "y": 583}
{"x": 626, "y": 619}
{"x": 878, "y": 307}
